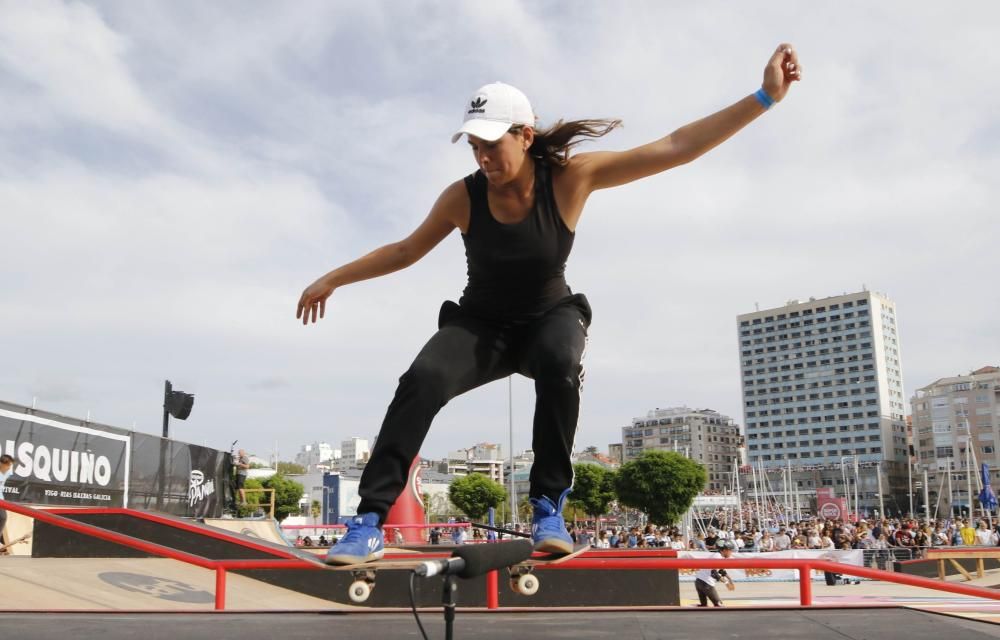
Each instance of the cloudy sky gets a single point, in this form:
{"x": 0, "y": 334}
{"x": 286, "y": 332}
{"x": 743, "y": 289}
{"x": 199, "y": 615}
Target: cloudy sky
{"x": 173, "y": 174}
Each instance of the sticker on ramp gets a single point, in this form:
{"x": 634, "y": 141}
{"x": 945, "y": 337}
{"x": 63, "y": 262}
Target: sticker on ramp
{"x": 162, "y": 588}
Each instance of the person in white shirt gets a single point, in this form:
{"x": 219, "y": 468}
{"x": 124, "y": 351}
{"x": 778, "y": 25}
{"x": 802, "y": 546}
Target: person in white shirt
{"x": 813, "y": 541}
{"x": 706, "y": 579}
{"x": 766, "y": 542}
{"x": 782, "y": 541}
{"x": 602, "y": 541}
{"x": 985, "y": 537}
{"x": 6, "y": 470}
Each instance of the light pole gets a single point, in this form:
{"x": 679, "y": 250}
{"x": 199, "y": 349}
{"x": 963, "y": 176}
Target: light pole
{"x": 909, "y": 481}
{"x": 847, "y": 488}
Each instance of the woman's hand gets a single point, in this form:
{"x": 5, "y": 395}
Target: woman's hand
{"x": 312, "y": 304}
{"x": 781, "y": 71}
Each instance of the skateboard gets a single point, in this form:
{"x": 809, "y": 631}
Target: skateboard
{"x": 364, "y": 574}
{"x": 10, "y": 544}
{"x": 523, "y": 580}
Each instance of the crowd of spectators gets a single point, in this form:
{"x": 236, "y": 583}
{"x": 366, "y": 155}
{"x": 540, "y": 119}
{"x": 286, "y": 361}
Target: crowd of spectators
{"x": 812, "y": 533}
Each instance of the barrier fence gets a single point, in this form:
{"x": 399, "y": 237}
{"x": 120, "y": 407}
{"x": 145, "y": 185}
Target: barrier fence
{"x": 804, "y": 567}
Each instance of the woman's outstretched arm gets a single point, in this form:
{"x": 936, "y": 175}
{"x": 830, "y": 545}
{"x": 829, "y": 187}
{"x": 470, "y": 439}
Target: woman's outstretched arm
{"x": 603, "y": 169}
{"x": 389, "y": 258}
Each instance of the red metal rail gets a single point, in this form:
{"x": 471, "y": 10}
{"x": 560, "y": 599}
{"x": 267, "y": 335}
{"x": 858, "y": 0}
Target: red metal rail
{"x": 804, "y": 566}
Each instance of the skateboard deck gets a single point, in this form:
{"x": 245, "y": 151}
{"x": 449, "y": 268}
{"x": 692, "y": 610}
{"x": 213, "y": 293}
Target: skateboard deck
{"x": 10, "y": 544}
{"x": 522, "y": 579}
{"x": 556, "y": 558}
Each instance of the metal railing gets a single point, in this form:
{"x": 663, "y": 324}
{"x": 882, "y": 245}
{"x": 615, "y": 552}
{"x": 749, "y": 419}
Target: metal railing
{"x": 613, "y": 559}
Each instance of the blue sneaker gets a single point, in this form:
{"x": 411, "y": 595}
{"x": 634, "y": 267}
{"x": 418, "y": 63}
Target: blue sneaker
{"x": 548, "y": 529}
{"x": 363, "y": 542}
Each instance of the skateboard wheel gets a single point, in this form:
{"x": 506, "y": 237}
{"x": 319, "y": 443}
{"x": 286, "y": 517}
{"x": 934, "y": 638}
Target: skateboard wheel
{"x": 526, "y": 585}
{"x": 359, "y": 591}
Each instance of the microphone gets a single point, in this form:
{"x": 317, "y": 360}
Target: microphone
{"x": 475, "y": 560}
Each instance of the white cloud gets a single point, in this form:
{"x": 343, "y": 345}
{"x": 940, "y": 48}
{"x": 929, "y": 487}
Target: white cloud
{"x": 173, "y": 174}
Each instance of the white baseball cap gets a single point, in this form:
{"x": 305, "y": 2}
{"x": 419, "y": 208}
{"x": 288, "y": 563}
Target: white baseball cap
{"x": 492, "y": 110}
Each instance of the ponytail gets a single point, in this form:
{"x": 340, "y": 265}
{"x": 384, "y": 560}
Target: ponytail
{"x": 552, "y": 145}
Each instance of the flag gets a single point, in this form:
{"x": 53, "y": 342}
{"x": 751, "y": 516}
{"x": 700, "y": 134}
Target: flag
{"x": 987, "y": 499}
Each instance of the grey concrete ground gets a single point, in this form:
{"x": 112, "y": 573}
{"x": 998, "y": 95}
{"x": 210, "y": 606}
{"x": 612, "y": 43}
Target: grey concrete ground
{"x": 841, "y": 624}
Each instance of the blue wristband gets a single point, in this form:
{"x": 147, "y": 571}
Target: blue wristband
{"x": 765, "y": 100}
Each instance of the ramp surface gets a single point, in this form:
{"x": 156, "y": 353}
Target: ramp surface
{"x": 266, "y": 530}
{"x": 134, "y": 583}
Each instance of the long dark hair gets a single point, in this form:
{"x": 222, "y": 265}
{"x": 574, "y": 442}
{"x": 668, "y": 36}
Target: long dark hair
{"x": 553, "y": 145}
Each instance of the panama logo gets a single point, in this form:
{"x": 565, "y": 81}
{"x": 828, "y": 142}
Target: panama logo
{"x": 199, "y": 489}
{"x": 478, "y": 104}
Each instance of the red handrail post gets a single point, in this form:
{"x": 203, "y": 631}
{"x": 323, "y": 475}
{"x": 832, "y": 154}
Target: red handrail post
{"x": 220, "y": 588}
{"x": 805, "y": 586}
{"x": 492, "y": 590}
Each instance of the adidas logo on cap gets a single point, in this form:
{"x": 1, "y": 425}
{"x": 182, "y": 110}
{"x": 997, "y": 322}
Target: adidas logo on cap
{"x": 478, "y": 104}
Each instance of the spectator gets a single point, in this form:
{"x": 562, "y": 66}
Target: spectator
{"x": 6, "y": 470}
{"x": 766, "y": 542}
{"x": 711, "y": 539}
{"x": 904, "y": 537}
{"x": 698, "y": 544}
{"x": 968, "y": 534}
{"x": 602, "y": 541}
{"x": 985, "y": 537}
{"x": 940, "y": 537}
{"x": 633, "y": 538}
{"x": 882, "y": 552}
{"x": 813, "y": 540}
{"x": 782, "y": 541}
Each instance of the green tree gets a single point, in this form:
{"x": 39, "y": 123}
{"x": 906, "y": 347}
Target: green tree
{"x": 591, "y": 451}
{"x": 524, "y": 509}
{"x": 474, "y": 494}
{"x": 663, "y": 484}
{"x": 291, "y": 469}
{"x": 287, "y": 494}
{"x": 316, "y": 509}
{"x": 593, "y": 489}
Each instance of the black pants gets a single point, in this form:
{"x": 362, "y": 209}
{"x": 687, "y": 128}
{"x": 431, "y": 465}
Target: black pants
{"x": 707, "y": 592}
{"x": 468, "y": 352}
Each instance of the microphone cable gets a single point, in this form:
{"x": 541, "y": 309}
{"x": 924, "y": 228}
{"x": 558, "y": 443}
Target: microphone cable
{"x": 413, "y": 606}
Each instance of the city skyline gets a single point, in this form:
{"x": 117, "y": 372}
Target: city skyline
{"x": 173, "y": 175}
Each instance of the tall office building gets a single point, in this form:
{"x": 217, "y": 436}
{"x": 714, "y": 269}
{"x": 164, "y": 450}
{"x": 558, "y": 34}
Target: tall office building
{"x": 823, "y": 386}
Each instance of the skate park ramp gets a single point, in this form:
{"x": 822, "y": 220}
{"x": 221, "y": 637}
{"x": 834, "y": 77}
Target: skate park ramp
{"x": 265, "y": 530}
{"x": 52, "y": 584}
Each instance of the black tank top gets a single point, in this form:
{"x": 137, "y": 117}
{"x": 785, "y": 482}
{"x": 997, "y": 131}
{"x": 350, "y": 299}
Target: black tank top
{"x": 516, "y": 271}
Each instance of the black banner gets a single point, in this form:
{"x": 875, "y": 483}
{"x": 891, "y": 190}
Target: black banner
{"x": 178, "y": 478}
{"x": 65, "y": 463}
